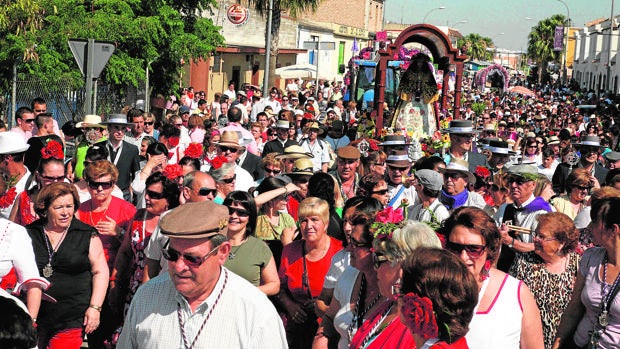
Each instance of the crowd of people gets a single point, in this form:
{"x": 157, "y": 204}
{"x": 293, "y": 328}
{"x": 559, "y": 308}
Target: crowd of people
{"x": 278, "y": 222}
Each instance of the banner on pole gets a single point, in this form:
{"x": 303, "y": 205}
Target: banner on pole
{"x": 558, "y": 38}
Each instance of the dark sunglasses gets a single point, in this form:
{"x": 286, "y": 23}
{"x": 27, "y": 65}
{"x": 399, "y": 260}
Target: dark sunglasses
{"x": 516, "y": 179}
{"x": 238, "y": 211}
{"x": 394, "y": 168}
{"x": 224, "y": 149}
{"x": 155, "y": 195}
{"x": 207, "y": 191}
{"x": 453, "y": 175}
{"x": 473, "y": 251}
{"x": 28, "y": 121}
{"x": 466, "y": 136}
{"x": 379, "y": 164}
{"x": 268, "y": 170}
{"x": 378, "y": 259}
{"x": 380, "y": 192}
{"x": 103, "y": 185}
{"x": 149, "y": 123}
{"x": 230, "y": 180}
{"x": 358, "y": 244}
{"x": 53, "y": 179}
{"x": 580, "y": 187}
{"x": 173, "y": 255}
{"x": 302, "y": 180}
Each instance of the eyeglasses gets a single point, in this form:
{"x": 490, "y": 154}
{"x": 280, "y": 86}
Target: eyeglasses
{"x": 224, "y": 149}
{"x": 155, "y": 195}
{"x": 465, "y": 136}
{"x": 532, "y": 146}
{"x": 380, "y": 192}
{"x": 453, "y": 175}
{"x": 207, "y": 191}
{"x": 346, "y": 162}
{"x": 588, "y": 150}
{"x": 103, "y": 185}
{"x": 379, "y": 164}
{"x": 272, "y": 171}
{"x": 394, "y": 168}
{"x": 378, "y": 259}
{"x": 536, "y": 236}
{"x": 53, "y": 179}
{"x": 173, "y": 255}
{"x": 581, "y": 187}
{"x": 178, "y": 125}
{"x": 28, "y": 121}
{"x": 229, "y": 180}
{"x": 149, "y": 123}
{"x": 473, "y": 251}
{"x": 116, "y": 127}
{"x": 238, "y": 211}
{"x": 517, "y": 179}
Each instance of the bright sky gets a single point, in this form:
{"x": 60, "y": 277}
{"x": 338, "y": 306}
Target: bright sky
{"x": 491, "y": 18}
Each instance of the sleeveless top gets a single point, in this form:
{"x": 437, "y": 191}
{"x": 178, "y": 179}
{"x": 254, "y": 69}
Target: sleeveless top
{"x": 500, "y": 325}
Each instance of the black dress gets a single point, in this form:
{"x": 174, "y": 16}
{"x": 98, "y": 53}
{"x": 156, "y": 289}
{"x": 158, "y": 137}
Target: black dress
{"x": 71, "y": 280}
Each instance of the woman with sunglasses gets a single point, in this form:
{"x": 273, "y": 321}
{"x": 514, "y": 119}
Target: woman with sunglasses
{"x": 161, "y": 195}
{"x": 578, "y": 193}
{"x": 111, "y": 217}
{"x": 70, "y": 255}
{"x": 302, "y": 272}
{"x": 591, "y": 319}
{"x": 374, "y": 186}
{"x": 550, "y": 271}
{"x": 530, "y": 151}
{"x": 249, "y": 257}
{"x": 374, "y": 163}
{"x": 156, "y": 160}
{"x": 51, "y": 169}
{"x": 149, "y": 125}
{"x": 506, "y": 315}
{"x": 93, "y": 154}
{"x": 225, "y": 178}
{"x": 274, "y": 225}
{"x": 357, "y": 293}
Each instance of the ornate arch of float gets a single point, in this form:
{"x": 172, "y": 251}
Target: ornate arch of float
{"x": 483, "y": 75}
{"x": 448, "y": 60}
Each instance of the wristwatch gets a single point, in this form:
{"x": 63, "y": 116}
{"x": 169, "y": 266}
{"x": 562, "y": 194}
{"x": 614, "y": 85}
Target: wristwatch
{"x": 512, "y": 243}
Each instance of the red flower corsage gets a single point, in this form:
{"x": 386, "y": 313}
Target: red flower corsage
{"x": 482, "y": 171}
{"x": 52, "y": 149}
{"x": 173, "y": 171}
{"x": 218, "y": 161}
{"x": 174, "y": 141}
{"x": 194, "y": 151}
{"x": 7, "y": 199}
{"x": 417, "y": 314}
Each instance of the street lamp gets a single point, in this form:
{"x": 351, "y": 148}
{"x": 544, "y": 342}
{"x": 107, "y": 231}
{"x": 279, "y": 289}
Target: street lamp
{"x": 429, "y": 12}
{"x": 457, "y": 23}
{"x": 567, "y": 29}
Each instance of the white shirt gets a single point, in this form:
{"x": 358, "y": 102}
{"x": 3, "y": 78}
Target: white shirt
{"x": 231, "y": 94}
{"x": 419, "y": 213}
{"x": 319, "y": 150}
{"x": 407, "y": 193}
{"x": 340, "y": 261}
{"x": 244, "y": 180}
{"x": 242, "y": 318}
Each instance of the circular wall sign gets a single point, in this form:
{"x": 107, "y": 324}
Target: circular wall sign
{"x": 237, "y": 14}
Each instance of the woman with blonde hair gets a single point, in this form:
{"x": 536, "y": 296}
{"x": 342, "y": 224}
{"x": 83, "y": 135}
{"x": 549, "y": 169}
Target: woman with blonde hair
{"x": 374, "y": 163}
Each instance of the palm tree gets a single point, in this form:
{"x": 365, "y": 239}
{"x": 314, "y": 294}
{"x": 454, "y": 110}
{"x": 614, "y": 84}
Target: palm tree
{"x": 540, "y": 45}
{"x": 475, "y": 46}
{"x": 293, "y": 8}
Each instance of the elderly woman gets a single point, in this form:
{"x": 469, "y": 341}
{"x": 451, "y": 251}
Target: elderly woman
{"x": 374, "y": 186}
{"x": 112, "y": 217}
{"x": 356, "y": 294}
{"x": 550, "y": 271}
{"x": 249, "y": 257}
{"x": 70, "y": 255}
{"x": 591, "y": 317}
{"x": 225, "y": 178}
{"x": 578, "y": 186}
{"x": 93, "y": 154}
{"x": 507, "y": 315}
{"x": 437, "y": 299}
{"x": 161, "y": 195}
{"x": 302, "y": 271}
{"x": 323, "y": 185}
{"x": 382, "y": 329}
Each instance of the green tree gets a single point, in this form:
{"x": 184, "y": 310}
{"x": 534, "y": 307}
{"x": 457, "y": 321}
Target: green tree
{"x": 475, "y": 46}
{"x": 162, "y": 33}
{"x": 540, "y": 43}
{"x": 293, "y": 8}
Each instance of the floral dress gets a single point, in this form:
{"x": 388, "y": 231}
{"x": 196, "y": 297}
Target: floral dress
{"x": 551, "y": 291}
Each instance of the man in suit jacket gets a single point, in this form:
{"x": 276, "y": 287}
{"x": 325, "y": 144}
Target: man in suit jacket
{"x": 278, "y": 144}
{"x": 251, "y": 163}
{"x": 590, "y": 149}
{"x": 461, "y": 137}
{"x": 122, "y": 154}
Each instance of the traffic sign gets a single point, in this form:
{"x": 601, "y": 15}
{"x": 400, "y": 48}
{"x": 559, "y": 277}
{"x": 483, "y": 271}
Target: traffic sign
{"x": 101, "y": 54}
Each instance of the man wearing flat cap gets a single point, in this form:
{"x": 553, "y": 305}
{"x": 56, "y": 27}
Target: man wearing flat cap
{"x": 200, "y": 303}
{"x": 523, "y": 212}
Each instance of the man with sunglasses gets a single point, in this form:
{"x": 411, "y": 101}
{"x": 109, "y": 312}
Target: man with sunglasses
{"x": 44, "y": 134}
{"x": 199, "y": 302}
{"x": 277, "y": 145}
{"x": 455, "y": 193}
{"x": 462, "y": 135}
{"x": 523, "y": 212}
{"x": 589, "y": 150}
{"x": 12, "y": 150}
{"x": 230, "y": 148}
{"x": 24, "y": 118}
{"x": 398, "y": 166}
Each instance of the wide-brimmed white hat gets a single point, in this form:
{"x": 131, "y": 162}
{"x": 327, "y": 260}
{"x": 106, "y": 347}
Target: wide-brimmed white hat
{"x": 12, "y": 143}
{"x": 90, "y": 121}
{"x": 459, "y": 166}
{"x": 460, "y": 127}
{"x": 117, "y": 119}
